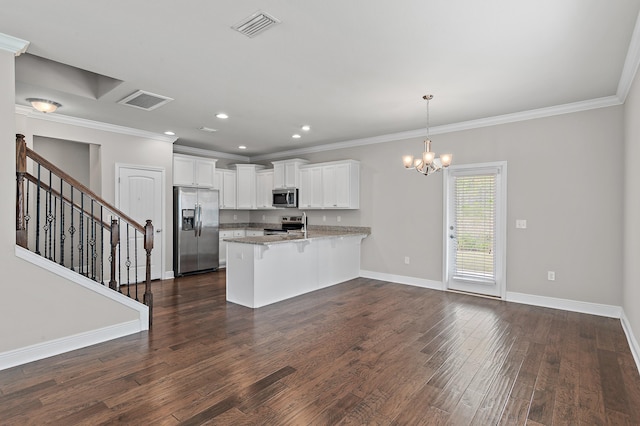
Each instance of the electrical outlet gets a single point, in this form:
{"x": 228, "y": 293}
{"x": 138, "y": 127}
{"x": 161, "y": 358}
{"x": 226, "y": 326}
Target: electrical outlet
{"x": 406, "y": 260}
{"x": 324, "y": 218}
{"x": 263, "y": 217}
{"x": 235, "y": 217}
{"x": 551, "y": 275}
{"x": 338, "y": 218}
{"x": 521, "y": 224}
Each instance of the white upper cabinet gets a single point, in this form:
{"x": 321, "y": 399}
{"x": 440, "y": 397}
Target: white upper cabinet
{"x": 225, "y": 183}
{"x": 286, "y": 173}
{"x": 334, "y": 185}
{"x": 193, "y": 171}
{"x": 310, "y": 187}
{"x": 246, "y": 180}
{"x": 264, "y": 190}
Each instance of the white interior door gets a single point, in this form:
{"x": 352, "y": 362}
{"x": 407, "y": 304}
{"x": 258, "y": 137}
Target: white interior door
{"x": 140, "y": 196}
{"x": 475, "y": 229}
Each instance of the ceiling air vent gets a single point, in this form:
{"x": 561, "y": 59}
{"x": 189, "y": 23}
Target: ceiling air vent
{"x": 255, "y": 24}
{"x": 145, "y": 100}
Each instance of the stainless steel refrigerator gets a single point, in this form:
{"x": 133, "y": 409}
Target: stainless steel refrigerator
{"x": 195, "y": 230}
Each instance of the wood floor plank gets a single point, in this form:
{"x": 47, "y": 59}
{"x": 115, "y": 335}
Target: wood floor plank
{"x": 362, "y": 352}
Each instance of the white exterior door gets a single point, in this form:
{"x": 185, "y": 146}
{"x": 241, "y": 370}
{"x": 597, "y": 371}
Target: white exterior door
{"x": 475, "y": 228}
{"x": 140, "y": 196}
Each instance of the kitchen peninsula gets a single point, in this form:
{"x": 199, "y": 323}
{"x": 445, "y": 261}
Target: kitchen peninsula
{"x": 266, "y": 269}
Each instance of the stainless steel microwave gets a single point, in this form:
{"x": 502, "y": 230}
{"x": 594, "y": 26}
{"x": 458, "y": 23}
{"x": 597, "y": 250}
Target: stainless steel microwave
{"x": 287, "y": 197}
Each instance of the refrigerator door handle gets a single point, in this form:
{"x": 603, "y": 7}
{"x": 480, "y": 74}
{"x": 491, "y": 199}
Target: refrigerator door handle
{"x": 196, "y": 220}
{"x": 199, "y": 220}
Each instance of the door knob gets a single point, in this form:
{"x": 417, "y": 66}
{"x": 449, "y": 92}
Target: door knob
{"x": 158, "y": 231}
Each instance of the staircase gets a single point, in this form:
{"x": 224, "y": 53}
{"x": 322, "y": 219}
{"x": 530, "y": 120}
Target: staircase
{"x": 60, "y": 219}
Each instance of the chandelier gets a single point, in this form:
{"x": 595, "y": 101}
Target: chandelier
{"x": 428, "y": 164}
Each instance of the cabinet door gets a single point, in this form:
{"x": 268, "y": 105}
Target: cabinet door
{"x": 305, "y": 189}
{"x": 329, "y": 198}
{"x": 291, "y": 175}
{"x": 229, "y": 189}
{"x": 342, "y": 188}
{"x": 205, "y": 171}
{"x": 264, "y": 183}
{"x": 278, "y": 176}
{"x": 316, "y": 187}
{"x": 183, "y": 171}
{"x": 246, "y": 194}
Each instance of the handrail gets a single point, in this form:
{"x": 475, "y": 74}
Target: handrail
{"x": 77, "y": 184}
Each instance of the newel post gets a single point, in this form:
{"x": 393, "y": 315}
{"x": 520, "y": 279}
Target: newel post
{"x": 21, "y": 169}
{"x": 148, "y": 246}
{"x": 115, "y": 239}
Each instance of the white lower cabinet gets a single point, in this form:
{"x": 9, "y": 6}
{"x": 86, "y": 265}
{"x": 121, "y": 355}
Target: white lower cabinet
{"x": 254, "y": 233}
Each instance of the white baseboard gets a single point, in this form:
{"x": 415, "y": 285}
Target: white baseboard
{"x": 610, "y": 311}
{"x": 400, "y": 279}
{"x": 168, "y": 275}
{"x": 633, "y": 343}
{"x": 65, "y": 344}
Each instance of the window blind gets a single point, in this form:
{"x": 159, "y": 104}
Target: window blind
{"x": 475, "y": 227}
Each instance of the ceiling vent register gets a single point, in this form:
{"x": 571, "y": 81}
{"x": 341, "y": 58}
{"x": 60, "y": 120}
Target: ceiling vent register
{"x": 145, "y": 100}
{"x": 255, "y": 24}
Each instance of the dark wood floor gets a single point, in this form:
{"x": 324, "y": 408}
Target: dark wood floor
{"x": 363, "y": 352}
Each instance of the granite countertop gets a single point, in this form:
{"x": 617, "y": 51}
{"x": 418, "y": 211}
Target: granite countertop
{"x": 298, "y": 236}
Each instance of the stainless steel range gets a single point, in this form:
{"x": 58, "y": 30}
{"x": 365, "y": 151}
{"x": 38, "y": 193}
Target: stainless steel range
{"x": 288, "y": 223}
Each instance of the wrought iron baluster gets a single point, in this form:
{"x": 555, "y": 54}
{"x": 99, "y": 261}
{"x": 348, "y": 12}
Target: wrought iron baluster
{"x": 48, "y": 229}
{"x": 101, "y": 245}
{"x": 135, "y": 247}
{"x": 128, "y": 263}
{"x": 62, "y": 234}
{"x": 72, "y": 229}
{"x": 92, "y": 242}
{"x": 38, "y": 212}
{"x": 81, "y": 236}
{"x": 53, "y": 226}
{"x": 119, "y": 258}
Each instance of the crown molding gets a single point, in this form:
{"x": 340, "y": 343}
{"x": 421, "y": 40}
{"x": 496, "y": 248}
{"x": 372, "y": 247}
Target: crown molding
{"x": 455, "y": 127}
{"x": 181, "y": 149}
{"x": 631, "y": 63}
{"x": 15, "y": 45}
{"x": 90, "y": 124}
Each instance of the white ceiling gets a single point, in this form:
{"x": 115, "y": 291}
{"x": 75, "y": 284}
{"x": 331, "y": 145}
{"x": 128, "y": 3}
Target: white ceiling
{"x": 349, "y": 68}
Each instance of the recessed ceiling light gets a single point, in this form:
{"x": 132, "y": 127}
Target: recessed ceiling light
{"x": 296, "y": 136}
{"x": 207, "y": 129}
{"x": 222, "y": 116}
{"x": 170, "y": 133}
{"x": 306, "y": 128}
{"x": 242, "y": 147}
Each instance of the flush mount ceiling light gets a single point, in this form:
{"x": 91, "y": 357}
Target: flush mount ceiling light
{"x": 44, "y": 105}
{"x": 428, "y": 164}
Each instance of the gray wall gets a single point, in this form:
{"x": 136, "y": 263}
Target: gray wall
{"x": 72, "y": 157}
{"x": 631, "y": 264}
{"x": 564, "y": 178}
